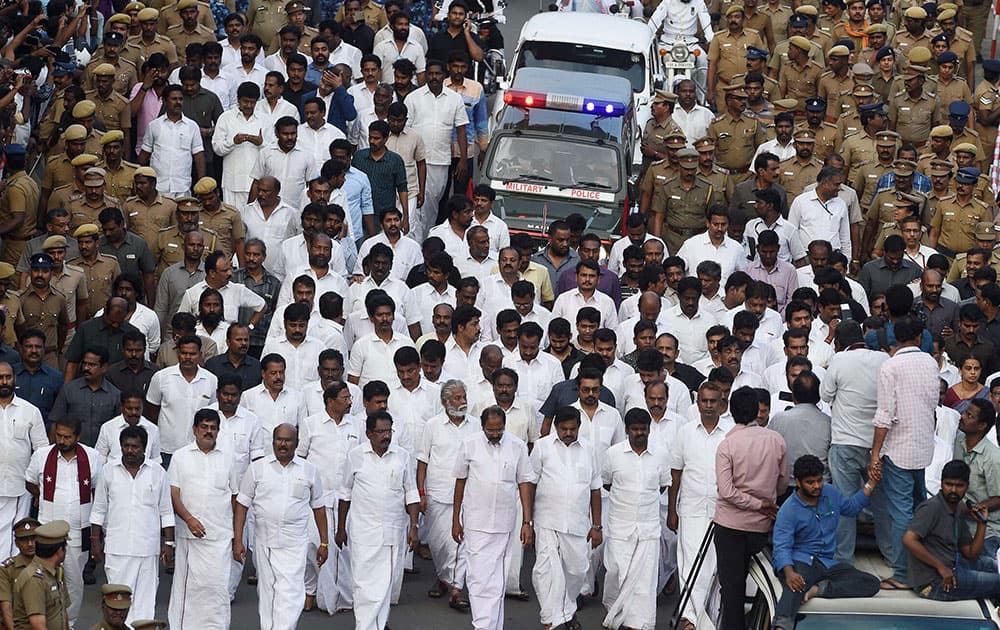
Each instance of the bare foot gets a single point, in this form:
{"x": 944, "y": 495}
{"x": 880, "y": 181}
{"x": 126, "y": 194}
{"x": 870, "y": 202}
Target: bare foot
{"x": 810, "y": 594}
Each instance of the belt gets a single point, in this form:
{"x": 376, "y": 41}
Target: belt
{"x": 685, "y": 232}
{"x": 736, "y": 171}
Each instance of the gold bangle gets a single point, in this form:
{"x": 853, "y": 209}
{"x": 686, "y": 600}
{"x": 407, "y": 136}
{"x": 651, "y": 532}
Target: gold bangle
{"x": 324, "y": 544}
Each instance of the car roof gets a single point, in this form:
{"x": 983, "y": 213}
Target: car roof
{"x": 602, "y": 87}
{"x": 588, "y": 28}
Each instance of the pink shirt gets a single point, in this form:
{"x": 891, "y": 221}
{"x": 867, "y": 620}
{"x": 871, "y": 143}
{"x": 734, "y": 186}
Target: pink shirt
{"x": 750, "y": 466}
{"x": 907, "y": 397}
{"x": 151, "y": 106}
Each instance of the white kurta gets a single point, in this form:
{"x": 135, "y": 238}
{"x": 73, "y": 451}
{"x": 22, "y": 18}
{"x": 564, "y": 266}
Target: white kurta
{"x": 237, "y": 159}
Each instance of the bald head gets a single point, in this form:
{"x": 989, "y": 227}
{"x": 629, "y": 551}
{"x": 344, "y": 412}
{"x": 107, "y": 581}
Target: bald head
{"x": 649, "y": 306}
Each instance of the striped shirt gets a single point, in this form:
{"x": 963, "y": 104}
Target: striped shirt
{"x": 907, "y": 396}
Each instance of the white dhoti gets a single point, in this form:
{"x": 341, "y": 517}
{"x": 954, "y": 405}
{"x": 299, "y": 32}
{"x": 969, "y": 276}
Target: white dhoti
{"x": 12, "y": 509}
{"x": 331, "y": 583}
{"x": 516, "y": 554}
{"x": 236, "y": 568}
{"x": 142, "y": 575}
{"x": 561, "y": 562}
{"x": 199, "y": 593}
{"x": 281, "y": 590}
{"x": 629, "y": 585}
{"x": 375, "y": 569}
{"x": 449, "y": 557}
{"x": 76, "y": 557}
{"x": 488, "y": 563}
{"x": 235, "y": 198}
{"x": 596, "y": 554}
{"x": 668, "y": 548}
{"x": 425, "y": 217}
{"x": 690, "y": 533}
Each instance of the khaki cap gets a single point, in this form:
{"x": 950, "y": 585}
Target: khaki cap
{"x": 942, "y": 167}
{"x": 800, "y": 42}
{"x": 664, "y": 96}
{"x": 804, "y": 135}
{"x": 688, "y": 158}
{"x": 115, "y": 135}
{"x": 145, "y": 171}
{"x": 733, "y": 9}
{"x": 87, "y": 229}
{"x": 24, "y": 528}
{"x": 52, "y": 533}
{"x": 807, "y": 9}
{"x": 904, "y": 168}
{"x": 104, "y": 70}
{"x": 839, "y": 51}
{"x": 908, "y": 199}
{"x": 916, "y": 13}
{"x": 942, "y": 131}
{"x": 877, "y": 28}
{"x": 117, "y": 596}
{"x": 736, "y": 89}
{"x": 862, "y": 69}
{"x": 915, "y": 71}
{"x": 55, "y": 241}
{"x": 75, "y": 133}
{"x": 148, "y": 14}
{"x": 785, "y": 104}
{"x": 205, "y": 185}
{"x": 919, "y": 55}
{"x": 966, "y": 147}
{"x": 675, "y": 140}
{"x": 863, "y": 89}
{"x": 188, "y": 204}
{"x": 187, "y": 4}
{"x": 6, "y": 271}
{"x": 947, "y": 14}
{"x": 985, "y": 231}
{"x": 704, "y": 145}
{"x": 85, "y": 159}
{"x": 294, "y": 7}
{"x": 94, "y": 176}
{"x": 120, "y": 18}
{"x": 134, "y": 6}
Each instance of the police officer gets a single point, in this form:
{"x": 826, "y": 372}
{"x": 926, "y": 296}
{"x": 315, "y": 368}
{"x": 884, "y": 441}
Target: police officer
{"x": 187, "y": 30}
{"x": 866, "y": 176}
{"x": 659, "y": 125}
{"x": 39, "y": 591}
{"x": 915, "y": 33}
{"x": 61, "y": 195}
{"x": 727, "y": 52}
{"x": 954, "y": 223}
{"x": 656, "y": 175}
{"x": 149, "y": 41}
{"x": 960, "y": 40}
{"x": 123, "y": 72}
{"x": 796, "y": 26}
{"x": 120, "y": 24}
{"x": 173, "y": 15}
{"x": 849, "y": 122}
{"x": 801, "y": 169}
{"x": 965, "y": 155}
{"x": 986, "y": 101}
{"x": 266, "y": 17}
{"x": 939, "y": 148}
{"x": 905, "y": 205}
{"x": 757, "y": 62}
{"x": 222, "y": 218}
{"x": 881, "y": 216}
{"x": 735, "y": 134}
{"x": 825, "y": 132}
{"x": 112, "y": 109}
{"x": 58, "y": 169}
{"x": 24, "y": 539}
{"x": 799, "y": 78}
{"x": 986, "y": 237}
{"x": 101, "y": 269}
{"x": 10, "y": 303}
{"x": 679, "y": 205}
{"x": 116, "y": 599}
{"x": 85, "y": 208}
{"x": 20, "y": 196}
{"x": 837, "y": 82}
{"x": 913, "y": 112}
{"x": 147, "y": 212}
{"x": 295, "y": 13}
{"x": 958, "y": 119}
{"x": 707, "y": 168}
{"x": 118, "y": 173}
{"x": 940, "y": 172}
{"x": 169, "y": 246}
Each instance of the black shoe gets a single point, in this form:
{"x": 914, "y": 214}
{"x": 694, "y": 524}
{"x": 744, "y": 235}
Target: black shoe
{"x": 88, "y": 572}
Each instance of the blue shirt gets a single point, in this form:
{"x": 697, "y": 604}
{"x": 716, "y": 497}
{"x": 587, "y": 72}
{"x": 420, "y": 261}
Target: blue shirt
{"x": 359, "y": 200}
{"x": 921, "y": 183}
{"x": 40, "y": 388}
{"x": 341, "y": 107}
{"x": 871, "y": 339}
{"x": 803, "y": 533}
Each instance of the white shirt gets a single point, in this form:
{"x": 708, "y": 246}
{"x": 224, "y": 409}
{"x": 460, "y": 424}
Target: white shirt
{"x": 694, "y": 123}
{"x": 492, "y": 473}
{"x": 438, "y": 448}
{"x": 850, "y": 387}
{"x": 535, "y": 377}
{"x": 234, "y": 297}
{"x": 678, "y": 395}
{"x": 273, "y": 230}
{"x": 634, "y": 498}
{"x": 282, "y": 498}
{"x": 406, "y": 255}
{"x": 371, "y": 359}
{"x": 413, "y": 408}
{"x": 21, "y": 433}
{"x": 270, "y": 116}
{"x": 379, "y": 489}
{"x": 776, "y": 380}
{"x": 567, "y": 474}
{"x": 818, "y": 221}
{"x": 172, "y": 147}
{"x": 293, "y": 169}
{"x": 426, "y": 298}
{"x": 207, "y": 483}
{"x": 231, "y": 56}
{"x": 132, "y": 510}
{"x": 300, "y": 362}
{"x": 601, "y": 431}
{"x": 65, "y": 504}
{"x": 348, "y": 55}
{"x": 630, "y": 309}
{"x": 358, "y": 325}
{"x": 480, "y": 270}
{"x": 522, "y": 419}
{"x": 109, "y": 445}
{"x": 313, "y": 396}
{"x": 178, "y": 400}
{"x": 416, "y": 35}
{"x": 693, "y": 454}
{"x": 237, "y": 159}
{"x": 498, "y": 230}
{"x": 240, "y": 435}
{"x": 616, "y": 258}
{"x": 397, "y": 290}
{"x": 568, "y": 304}
{"x": 775, "y": 147}
{"x": 316, "y": 142}
{"x": 790, "y": 248}
{"x": 454, "y": 244}
{"x": 389, "y": 53}
{"x": 236, "y": 76}
{"x": 330, "y": 282}
{"x": 617, "y": 378}
{"x": 295, "y": 255}
{"x": 460, "y": 364}
{"x": 729, "y": 254}
{"x": 691, "y": 333}
{"x": 435, "y": 118}
{"x": 288, "y": 407}
{"x": 219, "y": 86}
{"x": 364, "y": 98}
{"x": 325, "y": 443}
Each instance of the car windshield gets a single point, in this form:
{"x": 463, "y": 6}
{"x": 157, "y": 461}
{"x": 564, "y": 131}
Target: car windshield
{"x": 889, "y": 622}
{"x": 585, "y": 58}
{"x": 551, "y": 162}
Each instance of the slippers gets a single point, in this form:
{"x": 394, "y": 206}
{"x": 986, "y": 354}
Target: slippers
{"x": 893, "y": 585}
{"x": 520, "y": 596}
{"x": 437, "y": 591}
{"x": 459, "y": 603}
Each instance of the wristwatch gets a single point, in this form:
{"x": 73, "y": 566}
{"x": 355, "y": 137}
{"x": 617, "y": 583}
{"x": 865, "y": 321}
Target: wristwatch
{"x": 168, "y": 543}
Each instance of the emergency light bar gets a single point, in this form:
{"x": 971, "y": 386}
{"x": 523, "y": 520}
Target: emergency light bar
{"x": 564, "y": 102}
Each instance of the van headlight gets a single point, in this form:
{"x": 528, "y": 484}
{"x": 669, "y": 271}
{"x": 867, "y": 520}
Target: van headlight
{"x": 679, "y": 52}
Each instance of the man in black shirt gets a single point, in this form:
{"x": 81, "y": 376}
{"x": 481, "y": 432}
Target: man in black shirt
{"x": 458, "y": 36}
{"x": 355, "y": 32}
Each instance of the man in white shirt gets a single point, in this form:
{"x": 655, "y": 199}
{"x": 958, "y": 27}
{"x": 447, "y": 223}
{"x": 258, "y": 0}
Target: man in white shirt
{"x": 586, "y": 294}
{"x": 782, "y": 145}
{"x": 480, "y": 260}
{"x": 692, "y": 492}
{"x": 285, "y": 492}
{"x": 436, "y": 453}
{"x": 131, "y": 507}
{"x": 452, "y": 230}
{"x": 437, "y": 289}
{"x": 437, "y": 114}
{"x": 238, "y": 136}
{"x": 635, "y": 477}
{"x": 692, "y": 118}
{"x": 235, "y": 296}
{"x": 212, "y": 77}
{"x": 316, "y": 134}
{"x": 289, "y": 163}
{"x": 62, "y": 479}
{"x": 325, "y": 439}
{"x": 173, "y": 144}
{"x": 406, "y": 252}
{"x": 416, "y": 398}
{"x": 567, "y": 502}
{"x": 301, "y": 352}
{"x": 688, "y": 322}
{"x": 203, "y": 481}
{"x": 822, "y": 214}
{"x": 482, "y": 204}
{"x": 371, "y": 355}
{"x": 400, "y": 46}
{"x": 176, "y": 392}
{"x": 715, "y": 244}
{"x": 21, "y": 432}
{"x": 295, "y": 250}
{"x": 107, "y": 440}
{"x": 636, "y": 234}
{"x": 380, "y": 262}
{"x": 270, "y": 218}
{"x": 341, "y": 51}
{"x": 378, "y": 484}
{"x": 538, "y": 371}
{"x": 272, "y": 401}
{"x": 248, "y": 67}
{"x": 492, "y": 472}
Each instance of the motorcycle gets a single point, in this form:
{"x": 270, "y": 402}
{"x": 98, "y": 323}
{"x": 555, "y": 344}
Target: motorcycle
{"x": 683, "y": 58}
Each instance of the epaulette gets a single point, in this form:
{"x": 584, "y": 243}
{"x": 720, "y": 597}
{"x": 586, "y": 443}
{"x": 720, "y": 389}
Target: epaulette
{"x": 825, "y": 74}
{"x": 169, "y": 227}
{"x": 828, "y": 124}
{"x": 75, "y": 196}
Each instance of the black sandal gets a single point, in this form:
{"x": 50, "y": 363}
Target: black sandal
{"x": 459, "y": 603}
{"x": 437, "y": 591}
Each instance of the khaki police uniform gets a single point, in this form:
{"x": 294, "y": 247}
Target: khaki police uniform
{"x": 114, "y": 110}
{"x": 730, "y": 54}
{"x": 822, "y": 38}
{"x": 796, "y": 175}
{"x": 720, "y": 181}
{"x": 11, "y": 304}
{"x": 146, "y": 220}
{"x": 947, "y": 93}
{"x": 101, "y": 273}
{"x": 903, "y": 43}
{"x": 779, "y": 19}
{"x": 118, "y": 181}
{"x": 882, "y": 214}
{"x": 957, "y": 222}
{"x": 93, "y": 145}
{"x": 308, "y": 33}
{"x": 914, "y": 118}
{"x": 129, "y": 52}
{"x": 961, "y": 44}
{"x": 657, "y": 175}
{"x": 72, "y": 283}
{"x": 126, "y": 76}
{"x": 181, "y": 37}
{"x": 833, "y": 89}
{"x": 970, "y": 136}
{"x": 856, "y": 149}
{"x": 82, "y": 211}
{"x": 227, "y": 224}
{"x": 866, "y": 178}
{"x": 21, "y": 195}
{"x": 266, "y": 17}
{"x": 985, "y": 101}
{"x": 684, "y": 209}
{"x": 779, "y": 58}
{"x": 170, "y": 16}
{"x": 933, "y": 201}
{"x": 800, "y": 82}
{"x": 374, "y": 15}
{"x": 849, "y": 124}
{"x": 168, "y": 248}
{"x": 159, "y": 44}
{"x": 772, "y": 90}
{"x": 826, "y": 139}
{"x": 9, "y": 570}
{"x": 736, "y": 141}
{"x": 48, "y": 314}
{"x": 40, "y": 591}
{"x": 53, "y": 114}
{"x": 60, "y": 196}
{"x": 58, "y": 171}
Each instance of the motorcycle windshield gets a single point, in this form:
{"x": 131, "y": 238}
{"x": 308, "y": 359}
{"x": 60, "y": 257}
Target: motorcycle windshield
{"x": 551, "y": 163}
{"x": 585, "y": 58}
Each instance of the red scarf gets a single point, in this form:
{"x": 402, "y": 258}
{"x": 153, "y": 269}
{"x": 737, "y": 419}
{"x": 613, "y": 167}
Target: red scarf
{"x": 82, "y": 474}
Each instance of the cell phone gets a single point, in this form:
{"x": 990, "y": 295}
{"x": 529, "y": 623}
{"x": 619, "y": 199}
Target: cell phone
{"x": 969, "y": 504}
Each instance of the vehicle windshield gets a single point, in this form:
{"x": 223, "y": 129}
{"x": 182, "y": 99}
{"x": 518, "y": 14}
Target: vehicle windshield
{"x": 585, "y": 58}
{"x": 889, "y": 622}
{"x": 551, "y": 162}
